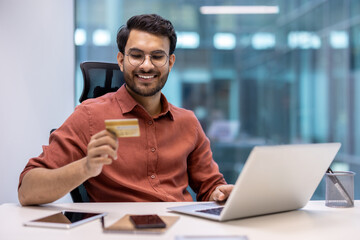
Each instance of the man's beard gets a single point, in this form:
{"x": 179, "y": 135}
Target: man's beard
{"x": 146, "y": 91}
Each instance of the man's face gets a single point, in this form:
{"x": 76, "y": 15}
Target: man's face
{"x": 145, "y": 79}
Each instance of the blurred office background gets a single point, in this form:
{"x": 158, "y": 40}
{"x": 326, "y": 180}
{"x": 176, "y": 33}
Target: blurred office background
{"x": 280, "y": 74}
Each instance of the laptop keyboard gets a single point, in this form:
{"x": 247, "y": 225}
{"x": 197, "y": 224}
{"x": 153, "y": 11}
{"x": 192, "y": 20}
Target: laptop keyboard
{"x": 214, "y": 211}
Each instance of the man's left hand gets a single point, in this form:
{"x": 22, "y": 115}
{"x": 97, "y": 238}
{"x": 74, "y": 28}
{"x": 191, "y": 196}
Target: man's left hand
{"x": 221, "y": 193}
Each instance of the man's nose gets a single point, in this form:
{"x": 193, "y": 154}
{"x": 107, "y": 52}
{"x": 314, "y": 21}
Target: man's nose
{"x": 147, "y": 64}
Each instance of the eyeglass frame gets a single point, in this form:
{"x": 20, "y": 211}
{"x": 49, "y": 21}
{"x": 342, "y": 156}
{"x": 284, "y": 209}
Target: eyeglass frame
{"x": 150, "y": 55}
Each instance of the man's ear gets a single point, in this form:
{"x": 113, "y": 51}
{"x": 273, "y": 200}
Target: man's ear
{"x": 171, "y": 61}
{"x": 120, "y": 60}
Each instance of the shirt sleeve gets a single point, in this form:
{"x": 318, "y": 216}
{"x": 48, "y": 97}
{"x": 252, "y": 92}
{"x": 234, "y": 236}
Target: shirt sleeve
{"x": 204, "y": 175}
{"x": 68, "y": 143}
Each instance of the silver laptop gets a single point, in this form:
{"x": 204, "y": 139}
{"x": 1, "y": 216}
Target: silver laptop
{"x": 274, "y": 179}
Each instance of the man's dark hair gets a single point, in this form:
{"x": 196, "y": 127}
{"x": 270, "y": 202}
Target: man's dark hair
{"x": 150, "y": 23}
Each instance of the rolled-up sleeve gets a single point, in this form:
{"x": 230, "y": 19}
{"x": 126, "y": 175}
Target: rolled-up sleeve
{"x": 68, "y": 143}
{"x": 204, "y": 175}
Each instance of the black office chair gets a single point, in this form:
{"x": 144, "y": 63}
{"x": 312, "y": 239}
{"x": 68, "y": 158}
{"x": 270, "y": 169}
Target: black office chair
{"x": 99, "y": 78}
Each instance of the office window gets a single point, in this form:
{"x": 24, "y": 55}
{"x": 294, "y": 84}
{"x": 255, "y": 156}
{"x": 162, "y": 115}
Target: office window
{"x": 281, "y": 77}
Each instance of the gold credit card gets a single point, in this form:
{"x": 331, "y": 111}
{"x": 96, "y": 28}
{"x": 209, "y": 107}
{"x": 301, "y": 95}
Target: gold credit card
{"x": 123, "y": 127}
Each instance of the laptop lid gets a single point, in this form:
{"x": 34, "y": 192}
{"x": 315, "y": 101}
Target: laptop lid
{"x": 274, "y": 179}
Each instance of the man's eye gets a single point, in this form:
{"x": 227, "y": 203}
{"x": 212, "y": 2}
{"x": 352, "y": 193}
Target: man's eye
{"x": 157, "y": 57}
{"x": 136, "y": 56}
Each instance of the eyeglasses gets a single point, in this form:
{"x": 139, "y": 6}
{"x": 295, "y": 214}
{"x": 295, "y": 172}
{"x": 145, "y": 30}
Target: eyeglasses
{"x": 137, "y": 57}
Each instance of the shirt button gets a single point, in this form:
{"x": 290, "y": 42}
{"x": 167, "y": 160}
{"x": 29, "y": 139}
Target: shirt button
{"x": 150, "y": 122}
{"x": 153, "y": 149}
{"x": 153, "y": 176}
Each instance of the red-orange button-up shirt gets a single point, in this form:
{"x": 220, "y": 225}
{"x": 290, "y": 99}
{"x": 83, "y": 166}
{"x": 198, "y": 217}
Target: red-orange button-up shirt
{"x": 171, "y": 153}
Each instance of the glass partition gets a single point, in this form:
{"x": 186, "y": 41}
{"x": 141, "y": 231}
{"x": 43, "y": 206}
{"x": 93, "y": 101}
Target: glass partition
{"x": 267, "y": 72}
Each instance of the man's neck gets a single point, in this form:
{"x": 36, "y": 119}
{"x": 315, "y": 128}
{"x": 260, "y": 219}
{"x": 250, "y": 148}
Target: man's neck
{"x": 152, "y": 104}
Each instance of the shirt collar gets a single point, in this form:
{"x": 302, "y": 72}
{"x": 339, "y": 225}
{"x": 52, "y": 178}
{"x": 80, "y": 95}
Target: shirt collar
{"x": 128, "y": 103}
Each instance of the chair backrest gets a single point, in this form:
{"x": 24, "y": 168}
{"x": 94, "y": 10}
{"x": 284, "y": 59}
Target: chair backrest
{"x": 79, "y": 194}
{"x": 100, "y": 78}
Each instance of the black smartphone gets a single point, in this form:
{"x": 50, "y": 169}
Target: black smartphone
{"x": 147, "y": 221}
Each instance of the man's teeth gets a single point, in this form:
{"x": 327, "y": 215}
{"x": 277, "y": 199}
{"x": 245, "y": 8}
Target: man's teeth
{"x": 146, "y": 77}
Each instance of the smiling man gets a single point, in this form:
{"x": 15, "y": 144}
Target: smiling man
{"x": 150, "y": 78}
{"x": 171, "y": 153}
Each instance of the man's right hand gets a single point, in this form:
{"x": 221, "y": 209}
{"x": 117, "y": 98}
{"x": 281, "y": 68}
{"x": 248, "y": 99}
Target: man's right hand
{"x": 102, "y": 150}
{"x": 42, "y": 185}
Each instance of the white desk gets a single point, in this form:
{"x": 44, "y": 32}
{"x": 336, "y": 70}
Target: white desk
{"x": 315, "y": 221}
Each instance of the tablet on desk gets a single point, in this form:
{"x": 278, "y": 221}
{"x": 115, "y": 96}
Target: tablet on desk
{"x": 64, "y": 219}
